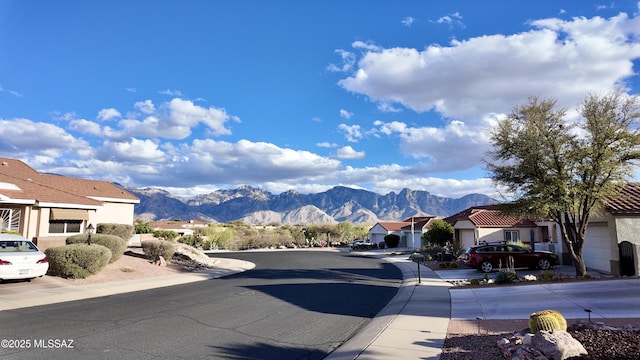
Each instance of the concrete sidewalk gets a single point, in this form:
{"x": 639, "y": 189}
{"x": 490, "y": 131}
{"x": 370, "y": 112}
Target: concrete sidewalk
{"x": 412, "y": 326}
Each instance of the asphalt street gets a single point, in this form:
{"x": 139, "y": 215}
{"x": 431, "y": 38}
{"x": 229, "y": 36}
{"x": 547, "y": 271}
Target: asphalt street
{"x": 292, "y": 305}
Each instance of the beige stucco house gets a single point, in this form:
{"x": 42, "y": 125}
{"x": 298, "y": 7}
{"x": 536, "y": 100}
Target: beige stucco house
{"x": 48, "y": 208}
{"x": 612, "y": 241}
{"x": 488, "y": 224}
{"x": 409, "y": 230}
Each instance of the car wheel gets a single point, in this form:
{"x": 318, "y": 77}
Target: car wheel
{"x": 544, "y": 264}
{"x": 486, "y": 267}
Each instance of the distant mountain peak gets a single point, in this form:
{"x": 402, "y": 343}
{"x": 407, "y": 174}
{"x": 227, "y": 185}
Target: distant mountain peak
{"x": 341, "y": 203}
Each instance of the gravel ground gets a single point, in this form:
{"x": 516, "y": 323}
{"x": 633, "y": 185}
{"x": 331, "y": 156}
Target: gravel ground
{"x": 481, "y": 344}
{"x": 133, "y": 265}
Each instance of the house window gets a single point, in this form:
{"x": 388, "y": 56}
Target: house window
{"x": 64, "y": 226}
{"x": 511, "y": 236}
{"x": 9, "y": 219}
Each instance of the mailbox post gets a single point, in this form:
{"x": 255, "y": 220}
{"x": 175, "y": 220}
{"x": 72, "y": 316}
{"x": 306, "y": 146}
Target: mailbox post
{"x": 418, "y": 258}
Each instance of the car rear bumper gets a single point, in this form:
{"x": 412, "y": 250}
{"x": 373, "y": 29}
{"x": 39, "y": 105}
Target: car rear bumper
{"x": 16, "y": 272}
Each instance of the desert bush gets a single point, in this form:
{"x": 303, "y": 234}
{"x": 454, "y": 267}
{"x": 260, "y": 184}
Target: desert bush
{"x": 191, "y": 240}
{"x": 114, "y": 243}
{"x": 506, "y": 277}
{"x": 453, "y": 265}
{"x": 474, "y": 282}
{"x": 392, "y": 240}
{"x": 168, "y": 235}
{"x": 142, "y": 227}
{"x": 123, "y": 231}
{"x": 547, "y": 275}
{"x": 77, "y": 261}
{"x": 155, "y": 248}
{"x": 443, "y": 264}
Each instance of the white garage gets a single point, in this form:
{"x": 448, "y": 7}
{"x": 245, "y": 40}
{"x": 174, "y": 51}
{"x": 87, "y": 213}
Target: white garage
{"x": 597, "y": 247}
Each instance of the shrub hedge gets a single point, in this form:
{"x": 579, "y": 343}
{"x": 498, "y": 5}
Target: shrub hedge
{"x": 111, "y": 242}
{"x": 155, "y": 248}
{"x": 123, "y": 231}
{"x": 506, "y": 277}
{"x": 77, "y": 261}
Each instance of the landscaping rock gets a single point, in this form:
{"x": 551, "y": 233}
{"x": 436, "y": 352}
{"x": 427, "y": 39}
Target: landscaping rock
{"x": 160, "y": 262}
{"x": 557, "y": 344}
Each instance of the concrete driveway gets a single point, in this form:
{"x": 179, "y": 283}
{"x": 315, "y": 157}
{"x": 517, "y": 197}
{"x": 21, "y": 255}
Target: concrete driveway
{"x": 609, "y": 299}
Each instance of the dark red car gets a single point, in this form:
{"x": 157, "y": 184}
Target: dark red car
{"x": 491, "y": 256}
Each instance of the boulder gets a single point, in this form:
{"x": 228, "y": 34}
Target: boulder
{"x": 160, "y": 262}
{"x": 557, "y": 344}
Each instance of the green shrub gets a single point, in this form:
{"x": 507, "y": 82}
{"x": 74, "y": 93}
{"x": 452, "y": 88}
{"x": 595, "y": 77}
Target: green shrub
{"x": 474, "y": 282}
{"x": 392, "y": 240}
{"x": 155, "y": 248}
{"x": 191, "y": 240}
{"x": 111, "y": 242}
{"x": 587, "y": 276}
{"x": 547, "y": 275}
{"x": 442, "y": 265}
{"x": 453, "y": 265}
{"x": 77, "y": 261}
{"x": 165, "y": 234}
{"x": 547, "y": 320}
{"x": 124, "y": 231}
{"x": 506, "y": 277}
{"x": 433, "y": 250}
{"x": 142, "y": 227}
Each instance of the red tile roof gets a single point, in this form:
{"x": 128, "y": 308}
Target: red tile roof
{"x": 489, "y": 216}
{"x": 392, "y": 225}
{"x": 628, "y": 201}
{"x": 495, "y": 218}
{"x": 21, "y": 183}
{"x": 419, "y": 222}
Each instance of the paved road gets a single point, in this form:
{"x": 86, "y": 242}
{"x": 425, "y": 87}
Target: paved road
{"x": 293, "y": 305}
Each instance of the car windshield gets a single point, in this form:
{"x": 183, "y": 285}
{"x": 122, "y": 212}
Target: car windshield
{"x": 16, "y": 245}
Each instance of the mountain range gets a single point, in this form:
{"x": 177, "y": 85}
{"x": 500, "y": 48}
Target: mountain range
{"x": 256, "y": 206}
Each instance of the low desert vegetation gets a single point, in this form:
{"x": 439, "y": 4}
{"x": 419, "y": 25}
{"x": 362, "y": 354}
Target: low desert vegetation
{"x": 155, "y": 248}
{"x": 77, "y": 261}
{"x": 237, "y": 235}
{"x": 112, "y": 242}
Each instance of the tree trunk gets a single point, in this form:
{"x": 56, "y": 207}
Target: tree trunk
{"x": 574, "y": 246}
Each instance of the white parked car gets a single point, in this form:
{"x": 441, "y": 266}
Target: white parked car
{"x": 20, "y": 259}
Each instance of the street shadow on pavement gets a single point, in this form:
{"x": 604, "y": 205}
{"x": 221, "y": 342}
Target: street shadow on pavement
{"x": 386, "y": 272}
{"x": 348, "y": 299}
{"x": 266, "y": 352}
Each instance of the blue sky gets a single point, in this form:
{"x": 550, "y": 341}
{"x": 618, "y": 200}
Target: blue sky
{"x": 195, "y": 96}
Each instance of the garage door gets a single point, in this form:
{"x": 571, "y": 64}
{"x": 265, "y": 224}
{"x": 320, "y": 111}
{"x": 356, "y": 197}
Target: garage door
{"x": 467, "y": 239}
{"x": 597, "y": 248}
